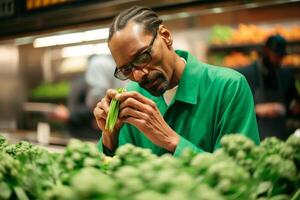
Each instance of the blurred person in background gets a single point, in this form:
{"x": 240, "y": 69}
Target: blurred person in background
{"x": 173, "y": 101}
{"x": 273, "y": 89}
{"x": 99, "y": 77}
{"x": 86, "y": 90}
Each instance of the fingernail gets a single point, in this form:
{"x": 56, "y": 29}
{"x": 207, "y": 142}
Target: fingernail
{"x": 117, "y": 96}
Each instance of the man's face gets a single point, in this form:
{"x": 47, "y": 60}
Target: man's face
{"x": 274, "y": 60}
{"x": 128, "y": 47}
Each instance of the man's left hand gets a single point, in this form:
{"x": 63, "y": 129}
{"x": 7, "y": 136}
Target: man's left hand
{"x": 143, "y": 113}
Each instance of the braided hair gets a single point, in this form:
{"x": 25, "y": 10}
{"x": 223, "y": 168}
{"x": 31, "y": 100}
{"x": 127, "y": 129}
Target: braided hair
{"x": 143, "y": 15}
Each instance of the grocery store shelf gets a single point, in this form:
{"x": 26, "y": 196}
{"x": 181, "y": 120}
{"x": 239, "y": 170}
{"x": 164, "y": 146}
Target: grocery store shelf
{"x": 247, "y": 47}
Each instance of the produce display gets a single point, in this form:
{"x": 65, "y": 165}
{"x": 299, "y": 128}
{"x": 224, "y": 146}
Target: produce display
{"x": 238, "y": 170}
{"x": 234, "y": 59}
{"x": 221, "y": 35}
{"x": 238, "y": 47}
{"x": 51, "y": 90}
{"x": 292, "y": 60}
{"x": 250, "y": 34}
{"x": 237, "y": 59}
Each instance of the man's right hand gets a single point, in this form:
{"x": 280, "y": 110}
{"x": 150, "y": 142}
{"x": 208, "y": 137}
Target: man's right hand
{"x": 110, "y": 139}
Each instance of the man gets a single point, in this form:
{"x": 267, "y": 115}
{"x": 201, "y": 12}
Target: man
{"x": 273, "y": 88}
{"x": 174, "y": 101}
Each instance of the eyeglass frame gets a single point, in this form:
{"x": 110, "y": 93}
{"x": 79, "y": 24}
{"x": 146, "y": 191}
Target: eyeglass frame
{"x": 131, "y": 66}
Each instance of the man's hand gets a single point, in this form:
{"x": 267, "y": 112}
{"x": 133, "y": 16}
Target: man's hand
{"x": 61, "y": 113}
{"x": 143, "y": 113}
{"x": 270, "y": 110}
{"x": 101, "y": 111}
{"x": 110, "y": 140}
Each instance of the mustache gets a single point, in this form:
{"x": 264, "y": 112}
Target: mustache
{"x": 157, "y": 77}
{"x": 149, "y": 79}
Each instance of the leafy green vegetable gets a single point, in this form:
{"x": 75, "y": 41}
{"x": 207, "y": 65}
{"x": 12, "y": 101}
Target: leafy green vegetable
{"x": 238, "y": 170}
{"x": 113, "y": 112}
{"x": 51, "y": 90}
{"x": 78, "y": 155}
{"x": 3, "y": 143}
{"x": 89, "y": 183}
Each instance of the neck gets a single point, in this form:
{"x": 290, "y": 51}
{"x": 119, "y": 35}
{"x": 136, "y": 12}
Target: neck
{"x": 179, "y": 66}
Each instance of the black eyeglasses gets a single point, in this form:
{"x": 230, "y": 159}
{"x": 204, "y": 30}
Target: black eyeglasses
{"x": 143, "y": 59}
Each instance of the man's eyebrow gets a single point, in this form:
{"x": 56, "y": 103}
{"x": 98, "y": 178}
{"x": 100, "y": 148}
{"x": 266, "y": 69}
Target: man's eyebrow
{"x": 134, "y": 56}
{"x": 139, "y": 51}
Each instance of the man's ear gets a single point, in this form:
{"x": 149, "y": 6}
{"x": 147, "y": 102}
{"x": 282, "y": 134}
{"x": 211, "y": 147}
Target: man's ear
{"x": 166, "y": 35}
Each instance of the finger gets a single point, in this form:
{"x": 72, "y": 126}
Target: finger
{"x": 130, "y": 112}
{"x": 99, "y": 113}
{"x": 99, "y": 104}
{"x": 104, "y": 105}
{"x": 137, "y": 105}
{"x": 124, "y": 95}
{"x": 111, "y": 93}
{"x": 134, "y": 121}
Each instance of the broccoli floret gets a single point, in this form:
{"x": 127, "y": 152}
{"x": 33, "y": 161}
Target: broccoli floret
{"x": 282, "y": 173}
{"x": 60, "y": 192}
{"x": 10, "y": 178}
{"x": 294, "y": 143}
{"x": 241, "y": 149}
{"x": 3, "y": 143}
{"x": 9, "y": 169}
{"x": 148, "y": 194}
{"x": 78, "y": 155}
{"x": 89, "y": 183}
{"x": 229, "y": 179}
{"x": 6, "y": 191}
{"x": 270, "y": 146}
{"x": 131, "y": 155}
{"x": 204, "y": 192}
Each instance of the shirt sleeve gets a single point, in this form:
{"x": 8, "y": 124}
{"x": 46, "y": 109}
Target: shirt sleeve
{"x": 238, "y": 112}
{"x": 184, "y": 144}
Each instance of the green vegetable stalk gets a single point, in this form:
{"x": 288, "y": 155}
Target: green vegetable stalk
{"x": 113, "y": 112}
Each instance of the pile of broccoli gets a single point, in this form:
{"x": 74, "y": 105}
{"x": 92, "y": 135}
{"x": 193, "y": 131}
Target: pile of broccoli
{"x": 238, "y": 170}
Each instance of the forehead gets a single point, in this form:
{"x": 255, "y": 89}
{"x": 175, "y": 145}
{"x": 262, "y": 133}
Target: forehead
{"x": 126, "y": 42}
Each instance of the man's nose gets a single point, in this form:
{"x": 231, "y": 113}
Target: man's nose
{"x": 138, "y": 74}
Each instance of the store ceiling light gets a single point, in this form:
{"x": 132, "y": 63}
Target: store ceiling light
{"x": 71, "y": 38}
{"x": 95, "y": 34}
{"x": 84, "y": 50}
{"x": 217, "y": 10}
{"x": 80, "y": 50}
{"x": 58, "y": 40}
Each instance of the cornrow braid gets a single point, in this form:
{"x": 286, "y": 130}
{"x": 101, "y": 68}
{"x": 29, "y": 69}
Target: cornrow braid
{"x": 138, "y": 14}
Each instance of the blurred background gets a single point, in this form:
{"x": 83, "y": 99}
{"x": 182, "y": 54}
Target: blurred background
{"x": 48, "y": 50}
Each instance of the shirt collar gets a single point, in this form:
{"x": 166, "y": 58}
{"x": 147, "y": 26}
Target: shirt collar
{"x": 188, "y": 87}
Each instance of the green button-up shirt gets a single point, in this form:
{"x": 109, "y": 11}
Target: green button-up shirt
{"x": 210, "y": 102}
